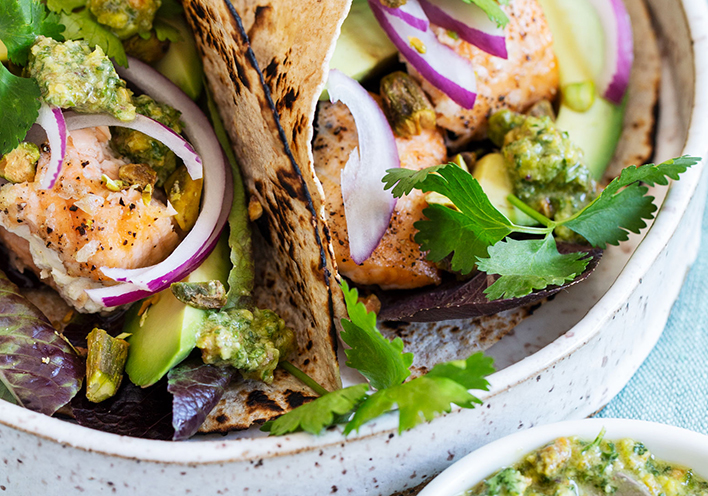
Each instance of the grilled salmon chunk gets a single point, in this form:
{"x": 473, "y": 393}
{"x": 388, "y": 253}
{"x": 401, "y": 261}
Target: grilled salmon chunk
{"x": 397, "y": 262}
{"x": 529, "y": 74}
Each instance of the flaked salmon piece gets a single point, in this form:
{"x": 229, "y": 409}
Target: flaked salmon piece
{"x": 528, "y": 75}
{"x": 397, "y": 262}
{"x": 66, "y": 234}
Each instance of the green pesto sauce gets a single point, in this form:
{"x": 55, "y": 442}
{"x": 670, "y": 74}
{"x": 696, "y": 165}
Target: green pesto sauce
{"x": 142, "y": 149}
{"x": 571, "y": 467}
{"x": 253, "y": 342}
{"x": 546, "y": 168}
{"x": 71, "y": 75}
{"x": 125, "y": 17}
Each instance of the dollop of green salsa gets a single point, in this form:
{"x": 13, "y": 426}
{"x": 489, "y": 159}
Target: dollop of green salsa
{"x": 125, "y": 17}
{"x": 71, "y": 75}
{"x": 251, "y": 341}
{"x": 545, "y": 166}
{"x": 142, "y": 149}
{"x": 572, "y": 467}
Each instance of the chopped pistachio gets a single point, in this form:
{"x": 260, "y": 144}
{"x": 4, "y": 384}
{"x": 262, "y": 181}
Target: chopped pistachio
{"x": 112, "y": 184}
{"x": 453, "y": 35}
{"x": 407, "y": 108}
{"x": 542, "y": 108}
{"x": 202, "y": 295}
{"x": 393, "y": 4}
{"x": 579, "y": 96}
{"x": 104, "y": 365}
{"x": 417, "y": 44}
{"x": 255, "y": 209}
{"x": 20, "y": 164}
{"x": 140, "y": 175}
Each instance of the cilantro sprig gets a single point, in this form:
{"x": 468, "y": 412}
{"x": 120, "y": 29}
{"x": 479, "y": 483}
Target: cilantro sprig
{"x": 386, "y": 366}
{"x": 476, "y": 234}
{"x": 21, "y": 22}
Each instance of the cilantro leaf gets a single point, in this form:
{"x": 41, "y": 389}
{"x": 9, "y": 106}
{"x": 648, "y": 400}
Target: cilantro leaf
{"x": 21, "y": 22}
{"x": 381, "y": 361}
{"x": 20, "y": 97}
{"x": 66, "y": 6}
{"x": 492, "y": 9}
{"x": 470, "y": 373}
{"x": 468, "y": 231}
{"x": 423, "y": 398}
{"x": 403, "y": 180}
{"x": 616, "y": 211}
{"x": 318, "y": 414}
{"x": 82, "y": 25}
{"x": 528, "y": 265}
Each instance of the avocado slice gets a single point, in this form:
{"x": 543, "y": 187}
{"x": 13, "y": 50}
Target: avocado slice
{"x": 182, "y": 64}
{"x": 492, "y": 175}
{"x": 578, "y": 41}
{"x": 168, "y": 333}
{"x": 363, "y": 49}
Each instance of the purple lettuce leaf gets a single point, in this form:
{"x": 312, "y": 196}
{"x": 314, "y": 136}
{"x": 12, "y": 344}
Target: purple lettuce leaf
{"x": 38, "y": 367}
{"x": 196, "y": 389}
{"x": 133, "y": 411}
{"x": 466, "y": 299}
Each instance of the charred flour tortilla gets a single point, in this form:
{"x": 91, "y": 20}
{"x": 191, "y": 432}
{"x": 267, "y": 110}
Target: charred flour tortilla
{"x": 267, "y": 63}
{"x": 268, "y": 113}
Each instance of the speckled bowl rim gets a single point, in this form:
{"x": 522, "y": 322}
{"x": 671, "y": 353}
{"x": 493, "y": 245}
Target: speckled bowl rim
{"x": 667, "y": 443}
{"x": 197, "y": 452}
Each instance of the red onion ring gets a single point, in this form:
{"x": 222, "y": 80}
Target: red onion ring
{"x": 367, "y": 206}
{"x": 613, "y": 80}
{"x": 200, "y": 241}
{"x": 439, "y": 64}
{"x": 124, "y": 293}
{"x": 470, "y": 23}
{"x": 51, "y": 119}
{"x": 147, "y": 126}
{"x": 411, "y": 13}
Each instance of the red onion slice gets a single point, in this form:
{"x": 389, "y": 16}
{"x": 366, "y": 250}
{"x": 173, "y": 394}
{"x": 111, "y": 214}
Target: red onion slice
{"x": 51, "y": 119}
{"x": 147, "y": 126}
{"x": 439, "y": 64}
{"x": 367, "y": 206}
{"x": 216, "y": 199}
{"x": 470, "y": 23}
{"x": 613, "y": 80}
{"x": 410, "y": 12}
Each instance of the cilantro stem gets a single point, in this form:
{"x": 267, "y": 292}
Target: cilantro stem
{"x": 304, "y": 378}
{"x": 537, "y": 216}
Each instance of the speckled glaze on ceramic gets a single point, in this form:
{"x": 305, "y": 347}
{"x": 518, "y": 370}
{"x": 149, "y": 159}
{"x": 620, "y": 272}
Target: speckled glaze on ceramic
{"x": 549, "y": 373}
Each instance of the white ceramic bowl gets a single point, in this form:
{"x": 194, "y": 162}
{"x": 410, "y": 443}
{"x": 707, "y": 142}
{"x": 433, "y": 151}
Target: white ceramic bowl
{"x": 671, "y": 444}
{"x": 565, "y": 362}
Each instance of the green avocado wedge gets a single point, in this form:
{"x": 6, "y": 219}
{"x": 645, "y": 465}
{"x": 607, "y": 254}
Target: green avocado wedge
{"x": 578, "y": 41}
{"x": 182, "y": 64}
{"x": 492, "y": 175}
{"x": 168, "y": 333}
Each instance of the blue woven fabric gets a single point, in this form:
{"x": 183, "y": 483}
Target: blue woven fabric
{"x": 671, "y": 387}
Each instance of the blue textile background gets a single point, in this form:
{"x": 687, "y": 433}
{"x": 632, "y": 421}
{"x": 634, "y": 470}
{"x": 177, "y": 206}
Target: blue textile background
{"x": 671, "y": 387}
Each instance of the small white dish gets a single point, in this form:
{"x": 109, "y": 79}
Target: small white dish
{"x": 671, "y": 444}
